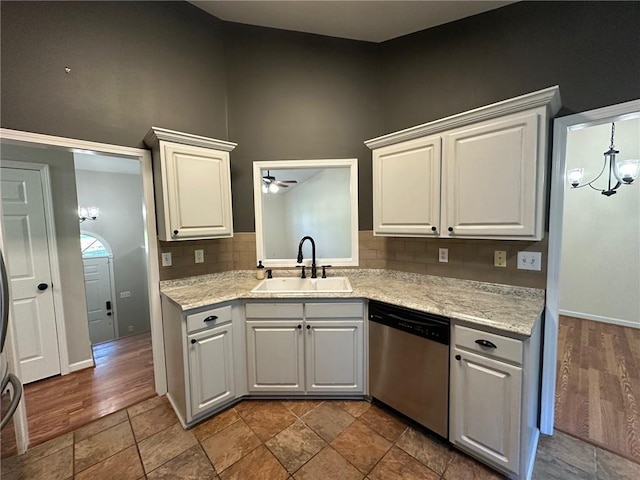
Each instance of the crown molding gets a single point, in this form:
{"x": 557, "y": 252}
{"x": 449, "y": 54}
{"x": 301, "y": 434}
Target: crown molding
{"x": 157, "y": 134}
{"x": 548, "y": 97}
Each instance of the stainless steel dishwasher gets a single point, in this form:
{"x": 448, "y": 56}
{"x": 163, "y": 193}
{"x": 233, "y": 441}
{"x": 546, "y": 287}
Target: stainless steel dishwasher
{"x": 409, "y": 364}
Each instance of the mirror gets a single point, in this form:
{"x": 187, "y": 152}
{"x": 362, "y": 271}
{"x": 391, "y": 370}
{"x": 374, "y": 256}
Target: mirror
{"x": 298, "y": 198}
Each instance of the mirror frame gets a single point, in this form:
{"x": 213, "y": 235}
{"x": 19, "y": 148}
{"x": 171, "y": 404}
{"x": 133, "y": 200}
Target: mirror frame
{"x": 351, "y": 163}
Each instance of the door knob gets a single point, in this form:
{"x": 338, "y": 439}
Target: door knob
{"x": 42, "y": 286}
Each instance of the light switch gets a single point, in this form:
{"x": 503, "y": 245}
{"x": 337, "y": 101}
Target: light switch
{"x": 199, "y": 256}
{"x": 166, "y": 259}
{"x": 499, "y": 258}
{"x": 443, "y": 255}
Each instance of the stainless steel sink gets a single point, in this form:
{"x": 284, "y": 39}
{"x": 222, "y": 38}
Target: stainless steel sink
{"x": 302, "y": 286}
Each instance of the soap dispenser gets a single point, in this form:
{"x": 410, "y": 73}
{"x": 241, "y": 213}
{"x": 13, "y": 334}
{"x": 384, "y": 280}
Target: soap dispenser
{"x": 260, "y": 271}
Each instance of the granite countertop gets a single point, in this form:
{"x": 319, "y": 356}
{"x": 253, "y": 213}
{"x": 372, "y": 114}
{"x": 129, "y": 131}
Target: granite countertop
{"x": 505, "y": 309}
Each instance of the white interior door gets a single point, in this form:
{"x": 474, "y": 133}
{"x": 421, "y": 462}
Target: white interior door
{"x": 28, "y": 263}
{"x": 97, "y": 286}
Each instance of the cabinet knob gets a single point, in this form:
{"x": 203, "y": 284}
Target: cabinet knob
{"x": 42, "y": 286}
{"x": 175, "y": 232}
{"x": 193, "y": 340}
{"x": 433, "y": 229}
{"x": 299, "y": 327}
{"x": 308, "y": 327}
{"x": 458, "y": 357}
{"x": 450, "y": 229}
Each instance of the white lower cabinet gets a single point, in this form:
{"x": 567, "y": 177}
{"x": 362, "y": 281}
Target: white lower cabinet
{"x": 203, "y": 358}
{"x": 312, "y": 348}
{"x": 211, "y": 372}
{"x": 493, "y": 412}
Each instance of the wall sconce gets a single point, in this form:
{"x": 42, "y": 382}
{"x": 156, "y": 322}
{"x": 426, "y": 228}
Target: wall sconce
{"x": 88, "y": 213}
{"x": 621, "y": 172}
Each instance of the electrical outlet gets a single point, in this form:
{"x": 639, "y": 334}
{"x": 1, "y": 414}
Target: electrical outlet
{"x": 443, "y": 255}
{"x": 199, "y": 254}
{"x": 530, "y": 261}
{"x": 131, "y": 328}
{"x": 499, "y": 258}
{"x": 166, "y": 259}
{"x": 126, "y": 294}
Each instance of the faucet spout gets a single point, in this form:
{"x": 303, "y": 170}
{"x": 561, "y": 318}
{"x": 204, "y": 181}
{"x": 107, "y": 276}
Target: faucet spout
{"x": 313, "y": 254}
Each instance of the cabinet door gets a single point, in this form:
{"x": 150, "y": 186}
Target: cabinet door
{"x": 198, "y": 192}
{"x": 485, "y": 408}
{"x": 210, "y": 368}
{"x": 275, "y": 355}
{"x": 406, "y": 188}
{"x": 334, "y": 356}
{"x": 490, "y": 179}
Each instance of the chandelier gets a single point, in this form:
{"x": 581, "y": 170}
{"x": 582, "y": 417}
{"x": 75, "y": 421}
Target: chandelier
{"x": 619, "y": 172}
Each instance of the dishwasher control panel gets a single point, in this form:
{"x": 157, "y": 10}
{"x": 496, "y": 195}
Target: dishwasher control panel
{"x": 426, "y": 325}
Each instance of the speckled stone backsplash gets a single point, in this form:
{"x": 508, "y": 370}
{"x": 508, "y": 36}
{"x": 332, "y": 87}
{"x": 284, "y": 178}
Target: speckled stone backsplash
{"x": 468, "y": 259}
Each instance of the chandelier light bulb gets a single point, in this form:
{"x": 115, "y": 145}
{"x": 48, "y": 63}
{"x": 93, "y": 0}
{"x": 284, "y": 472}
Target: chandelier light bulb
{"x": 628, "y": 170}
{"x": 265, "y": 189}
{"x": 574, "y": 176}
{"x": 273, "y": 188}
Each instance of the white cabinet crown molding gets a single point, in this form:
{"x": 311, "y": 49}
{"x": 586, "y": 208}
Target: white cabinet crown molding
{"x": 156, "y": 134}
{"x": 549, "y": 97}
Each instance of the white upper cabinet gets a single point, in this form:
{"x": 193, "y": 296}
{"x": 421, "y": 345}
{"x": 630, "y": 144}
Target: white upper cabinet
{"x": 192, "y": 184}
{"x": 490, "y": 182}
{"x": 406, "y": 192}
{"x": 478, "y": 174}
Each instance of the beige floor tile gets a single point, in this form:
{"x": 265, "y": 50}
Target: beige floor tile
{"x": 269, "y": 420}
{"x": 398, "y": 464}
{"x": 102, "y": 445}
{"x": 568, "y": 449}
{"x": 328, "y": 421}
{"x": 215, "y": 424}
{"x": 98, "y": 426}
{"x": 328, "y": 464}
{"x": 614, "y": 467}
{"x": 36, "y": 453}
{"x": 230, "y": 445}
{"x": 246, "y": 407}
{"x": 124, "y": 465}
{"x": 190, "y": 465}
{"x": 361, "y": 446}
{"x": 141, "y": 407}
{"x": 354, "y": 407}
{"x": 295, "y": 445}
{"x": 152, "y": 421}
{"x": 260, "y": 464}
{"x": 164, "y": 446}
{"x": 463, "y": 467}
{"x": 301, "y": 407}
{"x": 386, "y": 424}
{"x": 57, "y": 466}
{"x": 431, "y": 451}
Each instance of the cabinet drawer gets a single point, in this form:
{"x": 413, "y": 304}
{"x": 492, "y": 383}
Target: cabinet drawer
{"x": 208, "y": 318}
{"x": 273, "y": 310}
{"x": 334, "y": 310}
{"x": 508, "y": 349}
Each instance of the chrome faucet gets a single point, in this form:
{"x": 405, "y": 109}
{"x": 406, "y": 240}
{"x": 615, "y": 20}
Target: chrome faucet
{"x": 313, "y": 254}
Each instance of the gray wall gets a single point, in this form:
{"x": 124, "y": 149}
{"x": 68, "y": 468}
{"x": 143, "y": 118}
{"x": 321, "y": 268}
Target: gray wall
{"x": 65, "y": 207}
{"x": 133, "y": 65}
{"x": 293, "y": 95}
{"x": 298, "y": 96}
{"x": 119, "y": 197}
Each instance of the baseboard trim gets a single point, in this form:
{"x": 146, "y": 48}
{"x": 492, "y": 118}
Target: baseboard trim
{"x": 598, "y": 318}
{"x": 74, "y": 367}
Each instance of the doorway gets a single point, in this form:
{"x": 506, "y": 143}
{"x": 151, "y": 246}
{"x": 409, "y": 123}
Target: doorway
{"x": 562, "y": 127}
{"x": 65, "y": 210}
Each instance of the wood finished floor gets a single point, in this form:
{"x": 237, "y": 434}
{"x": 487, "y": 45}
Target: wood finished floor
{"x": 123, "y": 376}
{"x": 598, "y": 385}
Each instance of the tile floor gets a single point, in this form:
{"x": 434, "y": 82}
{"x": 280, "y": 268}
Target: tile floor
{"x": 282, "y": 440}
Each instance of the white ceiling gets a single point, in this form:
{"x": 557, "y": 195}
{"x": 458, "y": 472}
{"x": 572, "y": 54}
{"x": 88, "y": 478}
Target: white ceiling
{"x": 102, "y": 163}
{"x": 372, "y": 21}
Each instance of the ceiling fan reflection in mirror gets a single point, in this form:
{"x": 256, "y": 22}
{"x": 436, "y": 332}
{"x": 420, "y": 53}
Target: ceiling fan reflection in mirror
{"x": 271, "y": 185}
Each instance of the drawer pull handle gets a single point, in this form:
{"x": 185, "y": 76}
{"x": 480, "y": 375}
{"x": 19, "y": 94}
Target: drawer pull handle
{"x": 486, "y": 343}
{"x": 210, "y": 318}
